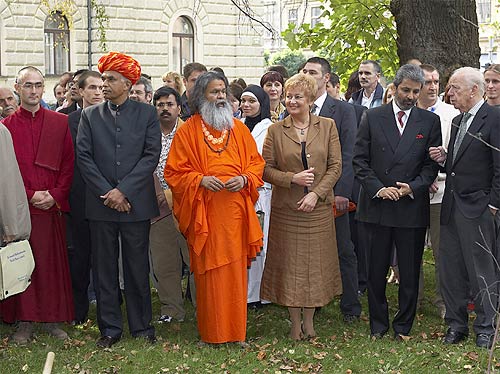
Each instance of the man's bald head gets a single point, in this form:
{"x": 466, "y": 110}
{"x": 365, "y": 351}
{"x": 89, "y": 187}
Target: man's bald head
{"x": 8, "y": 101}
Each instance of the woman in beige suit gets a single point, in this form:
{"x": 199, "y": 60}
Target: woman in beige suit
{"x": 303, "y": 162}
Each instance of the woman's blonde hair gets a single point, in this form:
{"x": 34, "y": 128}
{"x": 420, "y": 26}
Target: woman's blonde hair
{"x": 304, "y": 82}
{"x": 179, "y": 87}
{"x": 390, "y": 87}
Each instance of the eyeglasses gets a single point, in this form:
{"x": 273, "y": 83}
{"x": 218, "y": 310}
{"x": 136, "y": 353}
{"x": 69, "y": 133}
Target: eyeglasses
{"x": 163, "y": 105}
{"x": 30, "y": 85}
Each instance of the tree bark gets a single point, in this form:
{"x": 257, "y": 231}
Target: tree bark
{"x": 443, "y": 33}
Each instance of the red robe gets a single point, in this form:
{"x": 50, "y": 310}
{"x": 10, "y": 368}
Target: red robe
{"x": 221, "y": 228}
{"x": 44, "y": 152}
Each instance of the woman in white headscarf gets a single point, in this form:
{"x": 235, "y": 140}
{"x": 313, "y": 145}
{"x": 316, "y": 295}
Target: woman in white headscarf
{"x": 257, "y": 117}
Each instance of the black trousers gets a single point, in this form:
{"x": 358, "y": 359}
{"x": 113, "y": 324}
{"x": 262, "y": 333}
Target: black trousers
{"x": 409, "y": 248}
{"x": 360, "y": 242}
{"x": 349, "y": 302}
{"x": 467, "y": 265}
{"x": 105, "y": 248}
{"x": 79, "y": 263}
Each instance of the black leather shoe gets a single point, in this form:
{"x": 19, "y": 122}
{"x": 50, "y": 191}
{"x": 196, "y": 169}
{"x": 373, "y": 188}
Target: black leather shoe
{"x": 454, "y": 337}
{"x": 377, "y": 335}
{"x": 151, "y": 339}
{"x": 350, "y": 318}
{"x": 484, "y": 340}
{"x": 401, "y": 337}
{"x": 107, "y": 341}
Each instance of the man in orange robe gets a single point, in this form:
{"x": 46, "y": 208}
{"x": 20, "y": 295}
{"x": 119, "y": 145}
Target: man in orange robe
{"x": 214, "y": 170}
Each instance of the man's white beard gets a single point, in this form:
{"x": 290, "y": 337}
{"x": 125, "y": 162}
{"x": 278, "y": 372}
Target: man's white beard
{"x": 220, "y": 118}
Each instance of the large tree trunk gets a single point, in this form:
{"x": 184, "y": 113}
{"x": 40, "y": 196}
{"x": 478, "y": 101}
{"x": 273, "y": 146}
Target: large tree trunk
{"x": 443, "y": 33}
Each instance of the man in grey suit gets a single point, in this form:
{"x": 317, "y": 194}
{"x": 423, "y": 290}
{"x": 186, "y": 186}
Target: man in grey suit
{"x": 345, "y": 119}
{"x": 118, "y": 146}
{"x": 392, "y": 164}
{"x": 469, "y": 211}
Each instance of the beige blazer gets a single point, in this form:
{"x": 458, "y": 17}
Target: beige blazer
{"x": 15, "y": 223}
{"x": 282, "y": 153}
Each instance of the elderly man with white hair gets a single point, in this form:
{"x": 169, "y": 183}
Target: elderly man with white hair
{"x": 469, "y": 218}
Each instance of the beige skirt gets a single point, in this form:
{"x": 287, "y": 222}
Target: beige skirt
{"x": 302, "y": 264}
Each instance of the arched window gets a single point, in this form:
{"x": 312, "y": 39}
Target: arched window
{"x": 182, "y": 43}
{"x": 56, "y": 44}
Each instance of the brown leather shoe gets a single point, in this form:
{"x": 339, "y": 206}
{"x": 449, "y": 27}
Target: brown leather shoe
{"x": 54, "y": 330}
{"x": 23, "y": 333}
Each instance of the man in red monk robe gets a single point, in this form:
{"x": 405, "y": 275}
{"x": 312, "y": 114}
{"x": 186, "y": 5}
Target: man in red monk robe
{"x": 44, "y": 151}
{"x": 214, "y": 170}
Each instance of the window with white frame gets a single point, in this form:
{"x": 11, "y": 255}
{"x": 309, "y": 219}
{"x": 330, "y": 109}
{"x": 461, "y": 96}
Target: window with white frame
{"x": 315, "y": 15}
{"x": 483, "y": 11}
{"x": 182, "y": 43}
{"x": 57, "y": 48}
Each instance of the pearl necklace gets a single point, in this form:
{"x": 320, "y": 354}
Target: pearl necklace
{"x": 212, "y": 139}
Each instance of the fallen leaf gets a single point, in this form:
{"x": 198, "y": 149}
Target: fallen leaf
{"x": 25, "y": 367}
{"x": 261, "y": 355}
{"x": 472, "y": 355}
{"x": 467, "y": 367}
{"x": 320, "y": 355}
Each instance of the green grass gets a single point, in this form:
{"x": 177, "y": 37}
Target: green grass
{"x": 338, "y": 349}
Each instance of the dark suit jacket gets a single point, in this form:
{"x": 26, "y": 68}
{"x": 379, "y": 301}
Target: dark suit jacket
{"x": 357, "y": 97}
{"x": 345, "y": 119}
{"x": 473, "y": 180}
{"x": 119, "y": 152}
{"x": 69, "y": 109}
{"x": 77, "y": 192}
{"x": 359, "y": 109}
{"x": 382, "y": 158}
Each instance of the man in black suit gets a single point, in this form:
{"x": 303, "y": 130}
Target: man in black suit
{"x": 469, "y": 210}
{"x": 90, "y": 90}
{"x": 76, "y": 99}
{"x": 118, "y": 147}
{"x": 392, "y": 164}
{"x": 345, "y": 119}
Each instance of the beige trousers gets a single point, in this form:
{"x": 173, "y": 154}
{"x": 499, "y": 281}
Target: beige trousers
{"x": 168, "y": 251}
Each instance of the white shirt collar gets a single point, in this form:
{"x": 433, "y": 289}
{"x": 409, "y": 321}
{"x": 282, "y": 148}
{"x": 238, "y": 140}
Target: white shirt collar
{"x": 319, "y": 103}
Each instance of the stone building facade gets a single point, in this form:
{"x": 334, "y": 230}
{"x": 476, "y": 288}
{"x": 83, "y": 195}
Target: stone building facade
{"x": 162, "y": 35}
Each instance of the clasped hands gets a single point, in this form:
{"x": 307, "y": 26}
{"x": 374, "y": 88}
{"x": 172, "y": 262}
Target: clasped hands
{"x": 42, "y": 200}
{"x": 305, "y": 178}
{"x": 214, "y": 184}
{"x": 116, "y": 200}
{"x": 395, "y": 193}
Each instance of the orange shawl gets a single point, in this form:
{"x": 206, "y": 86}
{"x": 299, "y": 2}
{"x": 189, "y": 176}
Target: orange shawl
{"x": 186, "y": 165}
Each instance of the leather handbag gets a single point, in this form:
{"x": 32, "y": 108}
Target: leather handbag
{"x": 16, "y": 266}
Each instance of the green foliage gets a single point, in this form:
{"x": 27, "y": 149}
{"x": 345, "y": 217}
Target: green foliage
{"x": 291, "y": 60}
{"x": 102, "y": 20}
{"x": 352, "y": 31}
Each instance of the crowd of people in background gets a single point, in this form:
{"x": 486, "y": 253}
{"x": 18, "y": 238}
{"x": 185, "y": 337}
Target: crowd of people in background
{"x": 286, "y": 192}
